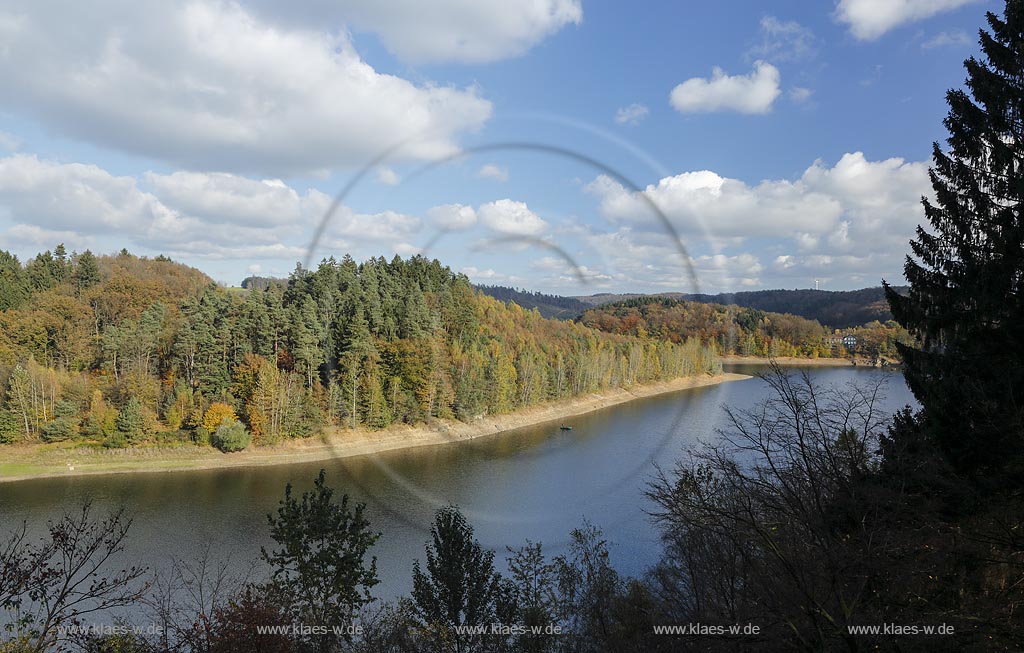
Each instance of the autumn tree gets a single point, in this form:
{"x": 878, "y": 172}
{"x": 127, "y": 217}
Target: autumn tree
{"x": 216, "y": 414}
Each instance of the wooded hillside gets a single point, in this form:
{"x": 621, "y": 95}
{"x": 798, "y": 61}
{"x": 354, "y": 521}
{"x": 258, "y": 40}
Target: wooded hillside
{"x": 121, "y": 349}
{"x": 732, "y": 330}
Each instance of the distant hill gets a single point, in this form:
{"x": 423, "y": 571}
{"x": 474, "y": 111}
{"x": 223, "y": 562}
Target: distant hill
{"x": 549, "y": 306}
{"x": 837, "y": 309}
{"x": 840, "y": 309}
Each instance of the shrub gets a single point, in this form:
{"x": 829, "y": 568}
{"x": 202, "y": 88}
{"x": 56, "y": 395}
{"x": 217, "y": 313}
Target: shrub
{"x": 230, "y": 436}
{"x": 10, "y": 427}
{"x": 116, "y": 440}
{"x": 60, "y": 429}
{"x": 201, "y": 436}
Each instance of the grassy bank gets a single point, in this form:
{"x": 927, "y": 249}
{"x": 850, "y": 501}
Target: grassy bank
{"x": 22, "y": 462}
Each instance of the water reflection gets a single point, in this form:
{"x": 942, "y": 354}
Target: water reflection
{"x": 536, "y": 483}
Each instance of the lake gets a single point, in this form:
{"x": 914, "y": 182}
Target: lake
{"x": 535, "y": 483}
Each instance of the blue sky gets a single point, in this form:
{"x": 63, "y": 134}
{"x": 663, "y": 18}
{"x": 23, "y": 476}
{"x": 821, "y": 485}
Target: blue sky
{"x": 784, "y": 141}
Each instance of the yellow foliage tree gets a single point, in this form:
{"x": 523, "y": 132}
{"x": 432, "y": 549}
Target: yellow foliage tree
{"x": 217, "y": 413}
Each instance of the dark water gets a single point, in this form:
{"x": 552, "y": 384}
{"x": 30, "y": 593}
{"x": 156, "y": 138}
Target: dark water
{"x": 536, "y": 483}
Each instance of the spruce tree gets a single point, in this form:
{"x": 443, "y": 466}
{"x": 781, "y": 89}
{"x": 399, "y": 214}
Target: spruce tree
{"x": 87, "y": 271}
{"x": 966, "y": 282}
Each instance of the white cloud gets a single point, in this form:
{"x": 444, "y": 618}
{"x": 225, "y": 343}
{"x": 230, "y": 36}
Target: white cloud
{"x": 855, "y": 203}
{"x": 631, "y": 115}
{"x": 753, "y": 93}
{"x": 209, "y": 85}
{"x": 452, "y": 216}
{"x": 492, "y": 171}
{"x": 386, "y": 176}
{"x": 784, "y": 41}
{"x": 191, "y": 214}
{"x": 37, "y": 238}
{"x": 75, "y": 197}
{"x": 705, "y": 202}
{"x": 225, "y": 198}
{"x": 209, "y": 250}
{"x": 722, "y": 271}
{"x": 511, "y": 217}
{"x": 384, "y": 226}
{"x": 467, "y": 31}
{"x": 944, "y": 39}
{"x": 870, "y": 19}
{"x": 800, "y": 94}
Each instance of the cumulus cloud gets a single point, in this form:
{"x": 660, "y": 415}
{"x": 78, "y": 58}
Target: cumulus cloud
{"x": 854, "y": 217}
{"x": 705, "y": 202}
{"x": 225, "y": 198}
{"x": 631, "y": 115}
{"x": 37, "y": 238}
{"x": 492, "y": 171}
{"x": 490, "y": 275}
{"x": 466, "y": 31}
{"x": 212, "y": 86}
{"x": 452, "y": 216}
{"x": 385, "y": 226}
{"x": 752, "y": 93}
{"x": 511, "y": 217}
{"x": 722, "y": 271}
{"x": 870, "y": 19}
{"x": 191, "y": 214}
{"x": 75, "y": 197}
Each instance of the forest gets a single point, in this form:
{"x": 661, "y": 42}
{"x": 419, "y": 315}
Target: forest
{"x": 732, "y": 330}
{"x": 121, "y": 350}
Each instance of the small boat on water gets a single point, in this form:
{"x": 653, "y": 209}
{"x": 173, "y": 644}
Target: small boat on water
{"x": 565, "y": 428}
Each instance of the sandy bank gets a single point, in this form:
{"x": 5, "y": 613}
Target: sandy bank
{"x": 46, "y": 461}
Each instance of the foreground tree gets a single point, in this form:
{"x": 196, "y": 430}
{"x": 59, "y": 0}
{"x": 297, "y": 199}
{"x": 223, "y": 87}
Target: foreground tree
{"x": 460, "y": 587}
{"x": 774, "y": 524}
{"x": 965, "y": 302}
{"x": 68, "y": 575}
{"x": 320, "y": 565}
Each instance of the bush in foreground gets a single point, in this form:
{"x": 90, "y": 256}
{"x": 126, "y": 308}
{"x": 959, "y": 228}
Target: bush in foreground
{"x": 231, "y": 436}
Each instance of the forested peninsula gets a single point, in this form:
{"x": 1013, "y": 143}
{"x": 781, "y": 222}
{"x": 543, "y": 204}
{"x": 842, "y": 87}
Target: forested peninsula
{"x": 125, "y": 352}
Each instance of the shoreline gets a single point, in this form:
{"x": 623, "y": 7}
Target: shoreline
{"x": 34, "y": 461}
{"x": 787, "y": 361}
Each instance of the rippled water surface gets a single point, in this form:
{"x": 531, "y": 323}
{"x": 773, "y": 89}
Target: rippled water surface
{"x": 535, "y": 483}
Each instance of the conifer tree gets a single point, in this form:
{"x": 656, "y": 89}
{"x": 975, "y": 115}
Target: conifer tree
{"x": 87, "y": 272}
{"x": 967, "y": 277}
{"x": 460, "y": 587}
